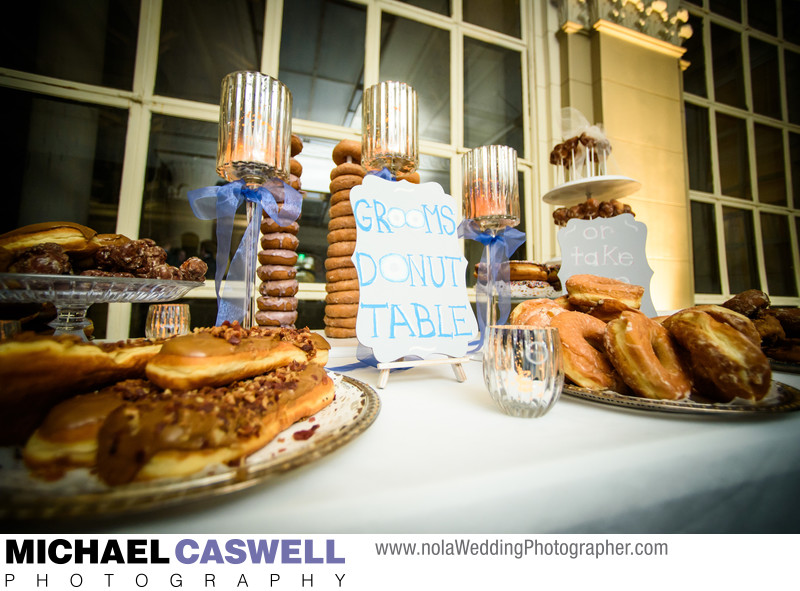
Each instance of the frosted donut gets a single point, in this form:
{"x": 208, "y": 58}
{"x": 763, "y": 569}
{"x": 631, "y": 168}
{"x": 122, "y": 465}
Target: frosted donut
{"x": 281, "y": 287}
{"x": 277, "y": 256}
{"x": 281, "y": 304}
{"x": 297, "y": 145}
{"x": 347, "y": 151}
{"x": 585, "y": 291}
{"x": 340, "y": 249}
{"x": 723, "y": 363}
{"x": 270, "y": 226}
{"x": 348, "y": 168}
{"x": 343, "y": 235}
{"x": 536, "y": 313}
{"x": 344, "y": 285}
{"x": 295, "y": 167}
{"x": 275, "y": 272}
{"x": 585, "y": 362}
{"x": 411, "y": 177}
{"x": 279, "y": 240}
{"x": 341, "y": 209}
{"x": 343, "y": 297}
{"x": 643, "y": 354}
{"x": 345, "y": 181}
{"x": 341, "y": 310}
{"x": 733, "y": 319}
{"x": 345, "y": 221}
{"x": 344, "y": 322}
{"x": 338, "y": 262}
{"x": 339, "y": 333}
{"x": 339, "y": 196}
{"x": 341, "y": 274}
{"x": 275, "y": 318}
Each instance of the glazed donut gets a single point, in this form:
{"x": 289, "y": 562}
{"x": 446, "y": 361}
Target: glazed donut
{"x": 277, "y": 256}
{"x": 343, "y": 297}
{"x": 723, "y": 362}
{"x": 343, "y": 322}
{"x": 348, "y": 168}
{"x": 770, "y": 330}
{"x": 749, "y": 302}
{"x": 276, "y": 318}
{"x": 343, "y": 235}
{"x": 347, "y": 151}
{"x": 270, "y": 226}
{"x": 341, "y": 310}
{"x": 339, "y": 196}
{"x": 342, "y": 222}
{"x": 275, "y": 272}
{"x": 278, "y": 304}
{"x": 103, "y": 240}
{"x": 279, "y": 240}
{"x": 341, "y": 249}
{"x": 295, "y": 167}
{"x": 585, "y": 362}
{"x": 339, "y": 262}
{"x": 643, "y": 354}
{"x": 297, "y": 145}
{"x": 344, "y": 285}
{"x": 609, "y": 309}
{"x": 280, "y": 287}
{"x": 345, "y": 181}
{"x": 343, "y": 208}
{"x": 75, "y": 239}
{"x": 536, "y": 313}
{"x": 411, "y": 177}
{"x": 341, "y": 274}
{"x": 563, "y": 301}
{"x": 526, "y": 271}
{"x": 335, "y": 332}
{"x": 733, "y": 319}
{"x": 585, "y": 291}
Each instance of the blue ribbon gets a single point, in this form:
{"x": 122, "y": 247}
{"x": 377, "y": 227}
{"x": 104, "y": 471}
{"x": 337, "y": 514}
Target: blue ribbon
{"x": 221, "y": 203}
{"x": 498, "y": 248}
{"x": 383, "y": 173}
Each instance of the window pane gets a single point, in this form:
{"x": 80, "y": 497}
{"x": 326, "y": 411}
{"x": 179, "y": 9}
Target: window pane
{"x": 694, "y": 77}
{"x": 704, "y": 249}
{"x": 492, "y": 96}
{"x": 734, "y": 167}
{"x": 498, "y": 15}
{"x": 769, "y": 165}
{"x": 322, "y": 59}
{"x": 763, "y": 15}
{"x": 698, "y": 147}
{"x": 792, "y": 60}
{"x": 440, "y": 6}
{"x": 419, "y": 55}
{"x": 90, "y": 42}
{"x": 764, "y": 75}
{"x": 791, "y": 16}
{"x": 740, "y": 249}
{"x": 201, "y": 42}
{"x": 433, "y": 169}
{"x": 726, "y": 59}
{"x": 778, "y": 259}
{"x": 794, "y": 158}
{"x": 67, "y": 161}
{"x": 729, "y": 8}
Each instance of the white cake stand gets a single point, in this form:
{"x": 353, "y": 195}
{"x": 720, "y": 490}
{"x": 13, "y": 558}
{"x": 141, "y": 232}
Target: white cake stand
{"x": 607, "y": 186}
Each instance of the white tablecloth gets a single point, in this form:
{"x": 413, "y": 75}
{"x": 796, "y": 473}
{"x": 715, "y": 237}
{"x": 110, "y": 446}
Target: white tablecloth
{"x": 442, "y": 458}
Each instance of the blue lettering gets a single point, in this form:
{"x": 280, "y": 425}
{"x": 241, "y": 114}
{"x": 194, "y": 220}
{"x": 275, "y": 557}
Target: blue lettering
{"x": 373, "y": 307}
{"x": 444, "y": 273}
{"x": 420, "y": 270}
{"x": 363, "y": 275}
{"x": 211, "y": 553}
{"x": 266, "y": 550}
{"x": 310, "y": 558}
{"x": 434, "y": 211}
{"x": 442, "y": 333}
{"x": 361, "y": 222}
{"x": 330, "y": 553}
{"x": 289, "y": 550}
{"x": 458, "y": 319}
{"x": 425, "y": 320}
{"x": 180, "y": 551}
{"x": 450, "y": 228}
{"x": 235, "y": 550}
{"x": 393, "y": 322}
{"x": 453, "y": 261}
{"x": 394, "y": 268}
{"x": 380, "y": 216}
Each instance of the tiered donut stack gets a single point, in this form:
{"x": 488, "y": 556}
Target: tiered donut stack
{"x": 277, "y": 304}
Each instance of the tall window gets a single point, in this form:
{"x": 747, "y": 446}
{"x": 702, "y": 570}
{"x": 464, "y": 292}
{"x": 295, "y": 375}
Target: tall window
{"x": 743, "y": 147}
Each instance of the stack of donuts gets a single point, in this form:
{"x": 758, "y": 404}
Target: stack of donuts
{"x": 709, "y": 352}
{"x": 277, "y": 304}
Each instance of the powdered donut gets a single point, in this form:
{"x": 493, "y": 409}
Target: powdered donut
{"x": 343, "y": 322}
{"x": 280, "y": 304}
{"x": 347, "y": 151}
{"x": 345, "y": 181}
{"x": 345, "y": 221}
{"x": 340, "y": 249}
{"x": 338, "y": 262}
{"x": 297, "y": 145}
{"x": 340, "y": 209}
{"x": 282, "y": 287}
{"x": 275, "y": 272}
{"x": 343, "y": 297}
{"x": 339, "y": 196}
{"x": 295, "y": 167}
{"x": 334, "y": 332}
{"x": 273, "y": 318}
{"x": 277, "y": 256}
{"x": 341, "y": 310}
{"x": 348, "y": 168}
{"x": 343, "y": 235}
{"x": 279, "y": 240}
{"x": 341, "y": 274}
{"x": 269, "y": 226}
{"x": 346, "y": 285}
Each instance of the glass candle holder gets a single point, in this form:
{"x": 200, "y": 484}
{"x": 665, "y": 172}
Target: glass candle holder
{"x": 167, "y": 320}
{"x": 491, "y": 187}
{"x": 255, "y": 128}
{"x": 389, "y": 134}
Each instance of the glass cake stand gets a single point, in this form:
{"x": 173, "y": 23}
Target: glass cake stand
{"x": 607, "y": 187}
{"x": 72, "y": 295}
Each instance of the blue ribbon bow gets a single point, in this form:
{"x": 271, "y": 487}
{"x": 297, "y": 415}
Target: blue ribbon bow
{"x": 221, "y": 203}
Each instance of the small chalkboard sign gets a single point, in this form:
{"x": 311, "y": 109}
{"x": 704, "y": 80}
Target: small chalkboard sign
{"x": 411, "y": 271}
{"x": 607, "y": 247}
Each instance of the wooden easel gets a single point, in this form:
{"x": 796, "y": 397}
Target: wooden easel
{"x": 456, "y": 362}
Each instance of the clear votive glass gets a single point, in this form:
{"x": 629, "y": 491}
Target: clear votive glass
{"x": 522, "y": 369}
{"x": 389, "y": 132}
{"x": 491, "y": 186}
{"x": 167, "y": 320}
{"x": 255, "y": 128}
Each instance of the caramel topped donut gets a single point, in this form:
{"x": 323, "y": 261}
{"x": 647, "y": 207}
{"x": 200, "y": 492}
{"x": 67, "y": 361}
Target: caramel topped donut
{"x": 642, "y": 352}
{"x": 347, "y": 151}
{"x": 537, "y": 313}
{"x": 582, "y": 348}
{"x": 585, "y": 291}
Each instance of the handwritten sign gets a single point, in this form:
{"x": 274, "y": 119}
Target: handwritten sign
{"x": 411, "y": 271}
{"x": 608, "y": 247}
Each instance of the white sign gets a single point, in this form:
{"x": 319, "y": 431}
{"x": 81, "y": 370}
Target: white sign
{"x": 411, "y": 271}
{"x": 608, "y": 247}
